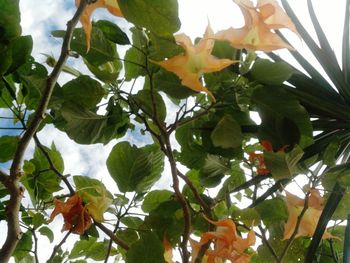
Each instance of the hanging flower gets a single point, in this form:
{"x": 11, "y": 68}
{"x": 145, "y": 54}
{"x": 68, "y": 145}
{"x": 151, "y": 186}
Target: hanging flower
{"x": 310, "y": 218}
{"x": 85, "y": 19}
{"x": 227, "y": 243}
{"x": 168, "y": 251}
{"x": 97, "y": 204}
{"x": 256, "y": 34}
{"x": 196, "y": 60}
{"x": 259, "y": 158}
{"x": 75, "y": 215}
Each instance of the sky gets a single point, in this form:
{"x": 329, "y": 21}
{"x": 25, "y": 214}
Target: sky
{"x": 40, "y": 17}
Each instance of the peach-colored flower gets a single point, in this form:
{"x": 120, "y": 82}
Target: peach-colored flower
{"x": 256, "y": 34}
{"x": 259, "y": 158}
{"x": 227, "y": 243}
{"x": 85, "y": 19}
{"x": 75, "y": 215}
{"x": 310, "y": 218}
{"x": 168, "y": 251}
{"x": 197, "y": 60}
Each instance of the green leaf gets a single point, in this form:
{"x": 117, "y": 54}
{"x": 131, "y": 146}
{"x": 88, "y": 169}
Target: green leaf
{"x": 38, "y": 219}
{"x": 283, "y": 165}
{"x": 107, "y": 72}
{"x": 329, "y": 154}
{"x": 170, "y": 214}
{"x": 143, "y": 100}
{"x": 86, "y": 127}
{"x": 271, "y": 73}
{"x": 89, "y": 249}
{"x": 154, "y": 198}
{"x": 21, "y": 50}
{"x": 112, "y": 32}
{"x": 149, "y": 247}
{"x": 101, "y": 50}
{"x": 294, "y": 254}
{"x": 192, "y": 153}
{"x": 284, "y": 120}
{"x": 45, "y": 231}
{"x": 135, "y": 169}
{"x": 128, "y": 235}
{"x": 248, "y": 216}
{"x": 159, "y": 16}
{"x": 24, "y": 246}
{"x": 132, "y": 221}
{"x": 43, "y": 182}
{"x": 227, "y": 133}
{"x": 6, "y": 58}
{"x": 8, "y": 146}
{"x": 273, "y": 211}
{"x": 163, "y": 47}
{"x": 83, "y": 91}
{"x": 134, "y": 64}
{"x": 10, "y": 20}
{"x": 214, "y": 169}
{"x": 171, "y": 85}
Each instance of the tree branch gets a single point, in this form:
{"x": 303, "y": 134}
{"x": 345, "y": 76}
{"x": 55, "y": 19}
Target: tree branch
{"x": 112, "y": 236}
{"x": 12, "y": 182}
{"x": 52, "y": 165}
{"x": 3, "y": 176}
{"x": 57, "y": 247}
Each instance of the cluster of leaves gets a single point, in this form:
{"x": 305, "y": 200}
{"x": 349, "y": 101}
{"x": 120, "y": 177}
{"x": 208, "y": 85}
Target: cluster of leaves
{"x": 223, "y": 186}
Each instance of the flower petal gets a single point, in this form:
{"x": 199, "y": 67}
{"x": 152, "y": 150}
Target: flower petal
{"x": 85, "y": 19}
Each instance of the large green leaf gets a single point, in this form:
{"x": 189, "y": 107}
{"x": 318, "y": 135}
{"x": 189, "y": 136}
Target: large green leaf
{"x": 192, "y": 153}
{"x": 135, "y": 169}
{"x": 10, "y": 20}
{"x": 39, "y": 180}
{"x": 89, "y": 249}
{"x": 21, "y": 49}
{"x": 154, "y": 198}
{"x": 151, "y": 104}
{"x": 214, "y": 168}
{"x": 227, "y": 133}
{"x": 170, "y": 213}
{"x": 284, "y": 120}
{"x": 283, "y": 165}
{"x": 271, "y": 73}
{"x": 6, "y": 58}
{"x": 83, "y": 91}
{"x": 294, "y": 254}
{"x": 149, "y": 249}
{"x": 134, "y": 63}
{"x": 159, "y": 16}
{"x": 86, "y": 127}
{"x": 107, "y": 72}
{"x": 8, "y": 146}
{"x": 273, "y": 211}
{"x": 24, "y": 246}
{"x": 45, "y": 231}
{"x": 112, "y": 32}
{"x": 101, "y": 49}
{"x": 171, "y": 85}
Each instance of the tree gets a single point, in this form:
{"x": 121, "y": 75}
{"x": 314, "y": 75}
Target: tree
{"x": 227, "y": 173}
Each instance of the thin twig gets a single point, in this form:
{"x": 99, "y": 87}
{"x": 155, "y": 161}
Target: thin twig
{"x": 267, "y": 243}
{"x": 52, "y": 165}
{"x": 206, "y": 207}
{"x": 12, "y": 184}
{"x": 57, "y": 247}
{"x": 35, "y": 245}
{"x": 112, "y": 236}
